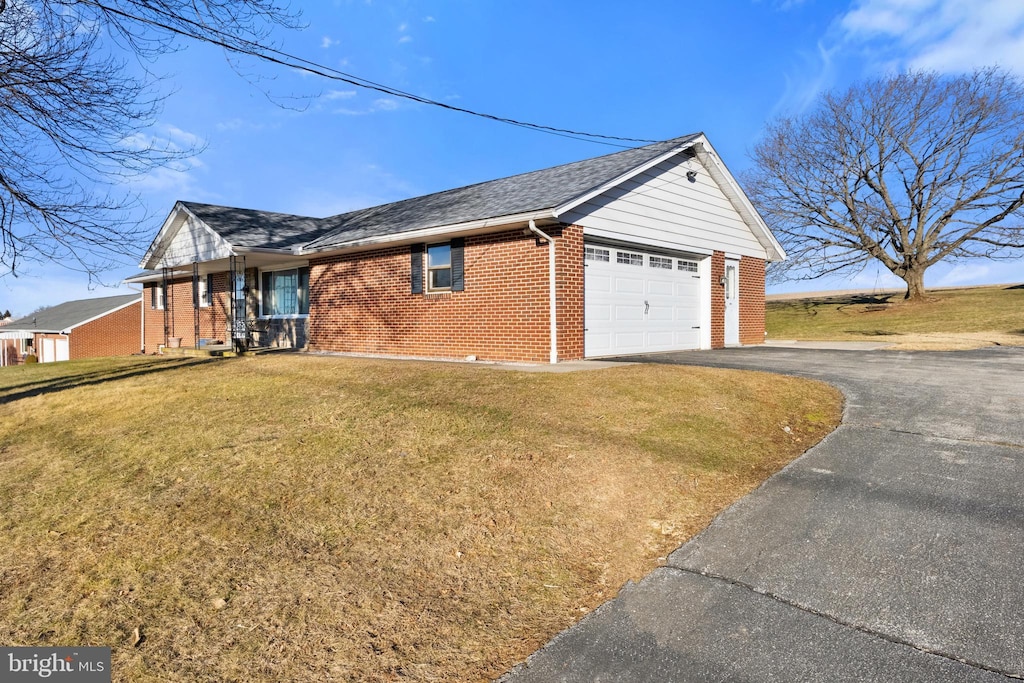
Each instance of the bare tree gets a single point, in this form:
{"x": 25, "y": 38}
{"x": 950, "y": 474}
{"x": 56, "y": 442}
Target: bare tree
{"x": 77, "y": 97}
{"x": 905, "y": 171}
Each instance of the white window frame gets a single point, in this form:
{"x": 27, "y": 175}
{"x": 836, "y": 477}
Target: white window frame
{"x": 429, "y": 270}
{"x": 298, "y": 298}
{"x": 160, "y": 296}
{"x": 204, "y": 291}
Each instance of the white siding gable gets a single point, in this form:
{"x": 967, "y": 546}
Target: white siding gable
{"x": 193, "y": 242}
{"x": 661, "y": 207}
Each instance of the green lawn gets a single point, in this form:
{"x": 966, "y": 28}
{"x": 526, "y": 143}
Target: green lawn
{"x": 292, "y": 517}
{"x": 955, "y": 317}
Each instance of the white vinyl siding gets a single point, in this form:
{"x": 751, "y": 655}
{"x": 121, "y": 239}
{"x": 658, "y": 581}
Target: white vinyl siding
{"x": 194, "y": 242}
{"x": 661, "y": 207}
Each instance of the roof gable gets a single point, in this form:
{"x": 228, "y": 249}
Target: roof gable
{"x": 182, "y": 239}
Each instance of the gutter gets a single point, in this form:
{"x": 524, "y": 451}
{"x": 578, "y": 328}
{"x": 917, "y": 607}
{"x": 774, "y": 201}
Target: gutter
{"x": 552, "y": 301}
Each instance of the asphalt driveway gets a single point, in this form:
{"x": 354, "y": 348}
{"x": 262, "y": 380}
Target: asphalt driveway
{"x": 892, "y": 551}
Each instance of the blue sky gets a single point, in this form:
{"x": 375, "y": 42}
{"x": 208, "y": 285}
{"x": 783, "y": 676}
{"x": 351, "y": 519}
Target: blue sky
{"x": 651, "y": 70}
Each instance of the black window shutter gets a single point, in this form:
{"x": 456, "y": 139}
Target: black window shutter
{"x": 458, "y": 261}
{"x": 267, "y": 298}
{"x": 416, "y": 261}
{"x": 195, "y": 289}
{"x": 304, "y": 290}
{"x": 152, "y": 297}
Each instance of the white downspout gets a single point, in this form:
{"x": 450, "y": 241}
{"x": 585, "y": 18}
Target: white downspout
{"x": 552, "y": 305}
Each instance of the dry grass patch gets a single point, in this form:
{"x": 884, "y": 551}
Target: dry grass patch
{"x": 949, "y": 319}
{"x": 307, "y": 518}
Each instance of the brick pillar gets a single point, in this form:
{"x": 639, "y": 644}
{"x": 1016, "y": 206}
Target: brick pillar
{"x": 569, "y": 283}
{"x": 751, "y": 300}
{"x": 717, "y": 301}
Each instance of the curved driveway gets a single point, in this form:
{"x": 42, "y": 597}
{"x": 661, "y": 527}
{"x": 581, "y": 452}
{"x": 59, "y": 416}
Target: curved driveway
{"x": 891, "y": 551}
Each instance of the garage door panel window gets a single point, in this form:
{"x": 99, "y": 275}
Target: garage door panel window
{"x": 688, "y": 266}
{"x": 629, "y": 258}
{"x": 661, "y": 262}
{"x": 597, "y": 254}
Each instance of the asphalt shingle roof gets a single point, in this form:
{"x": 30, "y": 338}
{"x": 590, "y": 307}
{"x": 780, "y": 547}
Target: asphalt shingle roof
{"x": 70, "y": 313}
{"x": 253, "y": 228}
{"x": 534, "y": 191}
{"x": 527, "y": 192}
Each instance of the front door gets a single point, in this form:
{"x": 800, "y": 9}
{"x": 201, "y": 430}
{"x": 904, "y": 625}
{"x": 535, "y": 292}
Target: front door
{"x": 732, "y": 303}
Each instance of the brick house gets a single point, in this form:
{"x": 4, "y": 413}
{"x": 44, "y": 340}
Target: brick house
{"x": 87, "y": 328}
{"x": 649, "y": 249}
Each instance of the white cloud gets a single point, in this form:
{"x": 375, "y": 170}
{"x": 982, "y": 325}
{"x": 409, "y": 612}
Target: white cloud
{"x": 238, "y": 123}
{"x": 381, "y": 104}
{"x": 403, "y": 27}
{"x": 949, "y": 36}
{"x": 803, "y": 88}
{"x": 877, "y": 37}
{"x": 173, "y": 179}
{"x": 429, "y": 19}
{"x": 965, "y": 274}
{"x": 339, "y": 94}
{"x": 326, "y": 42}
{"x": 405, "y": 39}
{"x": 175, "y": 176}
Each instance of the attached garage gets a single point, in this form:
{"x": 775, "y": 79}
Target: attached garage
{"x": 640, "y": 301}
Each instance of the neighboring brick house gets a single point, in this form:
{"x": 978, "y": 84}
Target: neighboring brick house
{"x": 649, "y": 249}
{"x": 87, "y": 328}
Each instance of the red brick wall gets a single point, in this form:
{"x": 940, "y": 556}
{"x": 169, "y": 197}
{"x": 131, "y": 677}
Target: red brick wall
{"x": 117, "y": 334}
{"x": 717, "y": 301}
{"x": 569, "y": 268}
{"x": 180, "y": 320}
{"x": 362, "y": 302}
{"x": 751, "y": 300}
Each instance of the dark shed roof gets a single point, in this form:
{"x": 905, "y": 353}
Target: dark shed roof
{"x": 68, "y": 314}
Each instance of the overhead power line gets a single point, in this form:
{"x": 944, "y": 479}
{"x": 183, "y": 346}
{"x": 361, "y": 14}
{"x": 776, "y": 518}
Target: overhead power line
{"x": 245, "y": 47}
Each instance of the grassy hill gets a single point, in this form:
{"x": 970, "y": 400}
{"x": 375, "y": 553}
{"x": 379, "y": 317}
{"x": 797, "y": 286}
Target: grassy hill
{"x": 949, "y": 318}
{"x": 293, "y": 517}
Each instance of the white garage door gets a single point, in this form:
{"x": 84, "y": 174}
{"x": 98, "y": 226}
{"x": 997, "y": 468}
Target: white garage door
{"x": 54, "y": 349}
{"x": 48, "y": 355}
{"x": 63, "y": 349}
{"x": 639, "y": 302}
